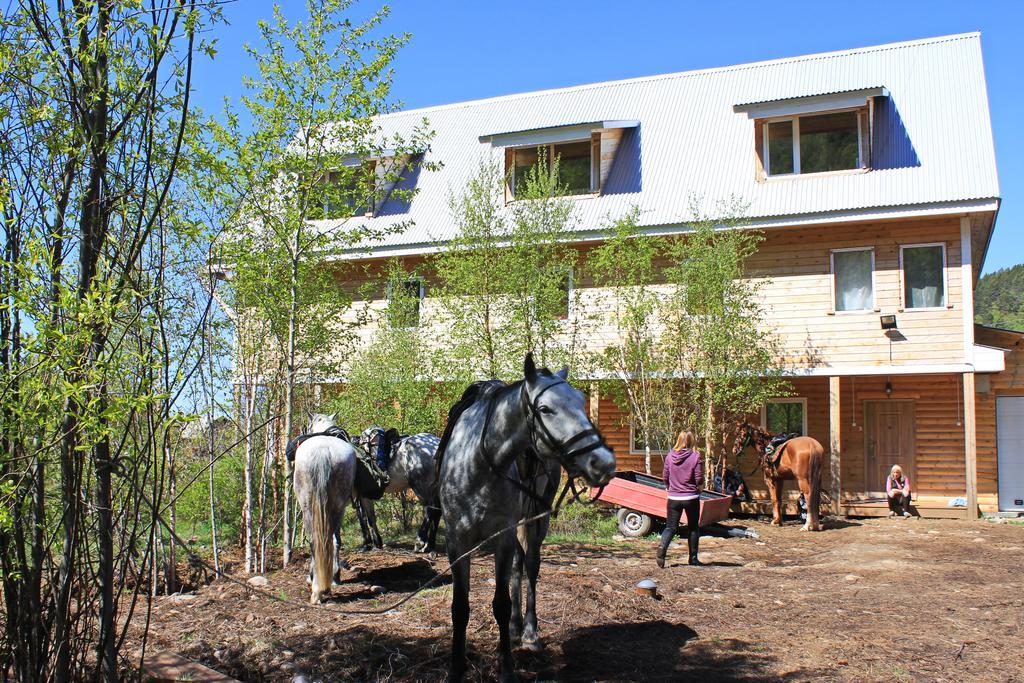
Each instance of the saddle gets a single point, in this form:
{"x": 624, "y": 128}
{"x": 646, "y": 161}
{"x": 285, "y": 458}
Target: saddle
{"x": 775, "y": 446}
{"x": 370, "y": 480}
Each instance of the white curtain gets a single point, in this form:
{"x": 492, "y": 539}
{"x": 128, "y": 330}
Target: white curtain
{"x": 923, "y": 269}
{"x": 854, "y": 290}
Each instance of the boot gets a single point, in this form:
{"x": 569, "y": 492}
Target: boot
{"x": 660, "y": 558}
{"x": 694, "y": 560}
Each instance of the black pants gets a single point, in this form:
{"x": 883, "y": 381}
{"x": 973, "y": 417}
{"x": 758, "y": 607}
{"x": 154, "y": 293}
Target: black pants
{"x": 675, "y": 510}
{"x": 899, "y": 503}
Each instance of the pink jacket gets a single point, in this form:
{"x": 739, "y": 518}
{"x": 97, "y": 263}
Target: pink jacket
{"x": 683, "y": 473}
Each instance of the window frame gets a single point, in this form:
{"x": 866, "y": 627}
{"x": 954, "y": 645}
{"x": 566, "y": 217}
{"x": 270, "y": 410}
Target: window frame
{"x": 786, "y": 399}
{"x": 946, "y": 305}
{"x": 510, "y": 163}
{"x": 795, "y": 122}
{"x": 419, "y": 301}
{"x": 832, "y": 282}
{"x": 632, "y": 443}
{"x": 570, "y": 278}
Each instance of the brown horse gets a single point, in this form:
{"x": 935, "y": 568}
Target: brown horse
{"x": 799, "y": 459}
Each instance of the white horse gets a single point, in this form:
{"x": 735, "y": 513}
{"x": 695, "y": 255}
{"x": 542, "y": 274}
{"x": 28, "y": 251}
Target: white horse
{"x": 325, "y": 469}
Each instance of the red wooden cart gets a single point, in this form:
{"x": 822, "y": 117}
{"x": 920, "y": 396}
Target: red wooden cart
{"x": 641, "y": 497}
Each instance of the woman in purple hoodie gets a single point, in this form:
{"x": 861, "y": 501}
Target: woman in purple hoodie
{"x": 684, "y": 476}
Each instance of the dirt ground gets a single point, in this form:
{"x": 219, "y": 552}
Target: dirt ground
{"x": 865, "y": 600}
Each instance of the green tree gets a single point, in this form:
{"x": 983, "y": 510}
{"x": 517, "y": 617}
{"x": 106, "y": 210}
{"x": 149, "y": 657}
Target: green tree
{"x": 392, "y": 381}
{"x": 504, "y": 283}
{"x": 623, "y": 267}
{"x": 295, "y": 183}
{"x": 716, "y": 332}
{"x": 96, "y": 321}
{"x": 999, "y": 299}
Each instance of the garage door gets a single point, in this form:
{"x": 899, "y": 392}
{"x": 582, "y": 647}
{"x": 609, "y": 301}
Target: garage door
{"x": 1010, "y": 431}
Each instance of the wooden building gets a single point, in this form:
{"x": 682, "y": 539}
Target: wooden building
{"x": 872, "y": 174}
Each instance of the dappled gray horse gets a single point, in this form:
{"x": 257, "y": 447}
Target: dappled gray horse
{"x": 499, "y": 462}
{"x": 325, "y": 468}
{"x": 411, "y": 465}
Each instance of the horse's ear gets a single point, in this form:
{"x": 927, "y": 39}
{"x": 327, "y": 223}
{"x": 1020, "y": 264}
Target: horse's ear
{"x": 529, "y": 369}
{"x": 563, "y": 373}
{"x": 333, "y": 417}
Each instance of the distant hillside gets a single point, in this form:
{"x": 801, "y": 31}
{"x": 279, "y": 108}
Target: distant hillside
{"x": 999, "y": 299}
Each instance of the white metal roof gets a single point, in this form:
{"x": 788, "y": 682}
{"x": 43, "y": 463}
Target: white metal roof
{"x": 933, "y": 139}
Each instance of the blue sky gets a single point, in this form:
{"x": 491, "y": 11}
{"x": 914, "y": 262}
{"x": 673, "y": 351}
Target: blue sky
{"x": 468, "y": 50}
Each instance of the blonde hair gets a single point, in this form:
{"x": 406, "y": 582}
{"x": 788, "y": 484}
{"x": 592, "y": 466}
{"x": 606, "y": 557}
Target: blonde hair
{"x": 895, "y": 469}
{"x": 686, "y": 439}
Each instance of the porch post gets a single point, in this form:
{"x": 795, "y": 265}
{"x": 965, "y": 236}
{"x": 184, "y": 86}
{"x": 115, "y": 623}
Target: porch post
{"x": 834, "y": 442}
{"x": 970, "y": 446}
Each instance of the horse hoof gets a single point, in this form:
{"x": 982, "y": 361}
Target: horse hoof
{"x": 805, "y": 528}
{"x": 535, "y": 645}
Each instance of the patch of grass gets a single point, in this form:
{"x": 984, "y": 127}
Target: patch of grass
{"x": 578, "y": 523}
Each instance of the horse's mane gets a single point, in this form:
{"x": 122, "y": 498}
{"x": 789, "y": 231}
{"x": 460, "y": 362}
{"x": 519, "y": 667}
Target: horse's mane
{"x": 474, "y": 392}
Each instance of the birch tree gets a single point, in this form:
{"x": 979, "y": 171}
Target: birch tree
{"x": 504, "y": 281}
{"x": 716, "y": 333}
{"x": 299, "y": 175}
{"x": 624, "y": 266}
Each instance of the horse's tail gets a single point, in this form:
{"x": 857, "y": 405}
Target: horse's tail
{"x": 321, "y": 527}
{"x": 814, "y": 475}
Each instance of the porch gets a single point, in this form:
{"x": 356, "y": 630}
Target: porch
{"x": 924, "y": 422}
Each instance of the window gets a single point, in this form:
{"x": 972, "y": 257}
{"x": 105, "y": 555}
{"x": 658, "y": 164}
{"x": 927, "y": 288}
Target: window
{"x": 339, "y": 194}
{"x": 574, "y": 166}
{"x": 924, "y": 275}
{"x": 565, "y": 296}
{"x": 813, "y": 143}
{"x": 853, "y": 279}
{"x": 404, "y": 299}
{"x": 785, "y": 415}
{"x": 660, "y": 444}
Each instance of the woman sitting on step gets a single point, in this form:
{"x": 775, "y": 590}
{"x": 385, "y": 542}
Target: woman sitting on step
{"x": 897, "y": 492}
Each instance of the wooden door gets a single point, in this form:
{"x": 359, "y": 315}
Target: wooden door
{"x": 888, "y": 440}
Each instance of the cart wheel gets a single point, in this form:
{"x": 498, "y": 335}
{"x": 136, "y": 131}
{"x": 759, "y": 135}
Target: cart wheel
{"x": 633, "y": 524}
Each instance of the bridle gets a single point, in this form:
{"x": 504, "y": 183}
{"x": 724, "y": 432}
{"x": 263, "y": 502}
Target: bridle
{"x": 540, "y": 432}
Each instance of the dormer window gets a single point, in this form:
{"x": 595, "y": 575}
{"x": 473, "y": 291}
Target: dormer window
{"x": 575, "y": 166}
{"x": 585, "y": 151}
{"x": 342, "y": 194}
{"x": 815, "y": 143}
{"x": 819, "y": 133}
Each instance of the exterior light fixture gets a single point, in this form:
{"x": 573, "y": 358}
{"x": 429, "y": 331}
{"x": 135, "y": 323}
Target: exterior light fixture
{"x": 888, "y": 389}
{"x": 888, "y": 322}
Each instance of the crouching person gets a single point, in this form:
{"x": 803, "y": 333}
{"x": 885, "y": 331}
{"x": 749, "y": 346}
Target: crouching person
{"x": 897, "y": 491}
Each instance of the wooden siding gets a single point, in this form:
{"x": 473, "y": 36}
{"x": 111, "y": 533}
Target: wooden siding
{"x": 938, "y": 465}
{"x": 795, "y": 267}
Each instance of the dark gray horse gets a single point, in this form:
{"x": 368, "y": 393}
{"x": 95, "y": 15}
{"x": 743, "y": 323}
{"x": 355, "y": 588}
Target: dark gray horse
{"x": 411, "y": 465}
{"x": 499, "y": 462}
